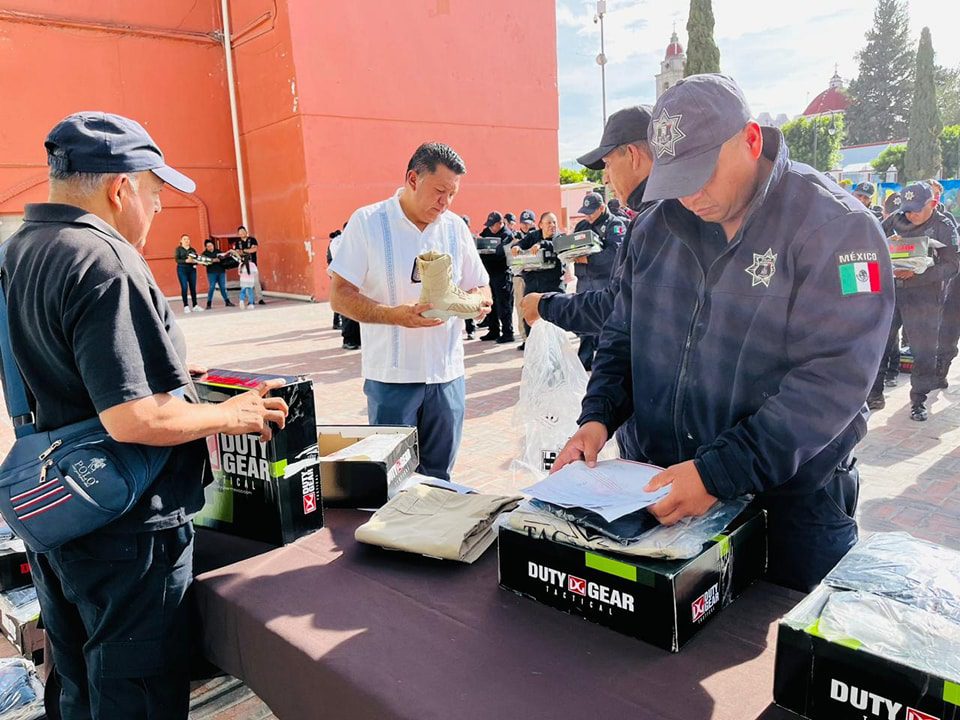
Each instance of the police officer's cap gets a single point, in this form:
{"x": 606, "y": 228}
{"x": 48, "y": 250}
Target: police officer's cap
{"x": 691, "y": 122}
{"x": 493, "y": 218}
{"x": 510, "y": 217}
{"x": 99, "y": 142}
{"x": 623, "y": 127}
{"x": 915, "y": 196}
{"x": 892, "y": 203}
{"x": 865, "y": 188}
{"x": 591, "y": 203}
{"x": 527, "y": 216}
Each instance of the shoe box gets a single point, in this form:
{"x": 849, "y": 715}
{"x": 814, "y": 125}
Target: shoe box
{"x": 362, "y": 465}
{"x": 271, "y": 491}
{"x": 662, "y": 602}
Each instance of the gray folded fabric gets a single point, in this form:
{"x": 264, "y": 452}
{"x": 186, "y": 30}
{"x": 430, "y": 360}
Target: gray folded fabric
{"x": 436, "y": 522}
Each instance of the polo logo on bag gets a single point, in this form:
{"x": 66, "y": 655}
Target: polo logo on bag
{"x": 85, "y": 471}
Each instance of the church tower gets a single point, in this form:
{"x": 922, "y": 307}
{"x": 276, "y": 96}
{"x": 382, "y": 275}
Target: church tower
{"x": 671, "y": 68}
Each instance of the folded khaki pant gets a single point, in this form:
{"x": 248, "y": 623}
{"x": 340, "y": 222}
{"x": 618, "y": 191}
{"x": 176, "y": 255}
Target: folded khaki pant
{"x": 436, "y": 522}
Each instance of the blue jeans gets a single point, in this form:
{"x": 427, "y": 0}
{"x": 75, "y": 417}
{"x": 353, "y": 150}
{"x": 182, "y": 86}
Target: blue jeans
{"x": 246, "y": 295}
{"x": 215, "y": 280}
{"x": 119, "y": 620}
{"x": 435, "y": 410}
{"x": 187, "y": 275}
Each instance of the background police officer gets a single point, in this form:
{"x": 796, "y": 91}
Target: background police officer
{"x": 102, "y": 341}
{"x": 748, "y": 327}
{"x": 528, "y": 225}
{"x": 919, "y": 296}
{"x": 864, "y": 192}
{"x": 501, "y": 282}
{"x": 595, "y": 271}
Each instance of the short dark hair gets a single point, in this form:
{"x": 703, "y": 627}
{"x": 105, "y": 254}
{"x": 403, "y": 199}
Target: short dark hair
{"x": 241, "y": 227}
{"x": 210, "y": 241}
{"x": 429, "y": 155}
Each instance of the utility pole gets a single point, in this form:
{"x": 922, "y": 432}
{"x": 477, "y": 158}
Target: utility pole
{"x": 602, "y": 57}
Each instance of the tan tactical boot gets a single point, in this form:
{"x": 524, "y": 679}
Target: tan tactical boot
{"x": 438, "y": 289}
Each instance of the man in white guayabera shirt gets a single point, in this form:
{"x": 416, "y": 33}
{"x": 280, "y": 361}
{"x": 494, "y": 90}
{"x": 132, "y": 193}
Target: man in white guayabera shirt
{"x": 412, "y": 365}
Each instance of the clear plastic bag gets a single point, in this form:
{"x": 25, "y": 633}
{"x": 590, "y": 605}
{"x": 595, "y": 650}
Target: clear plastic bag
{"x": 552, "y": 386}
{"x": 682, "y": 541}
{"x": 21, "y": 692}
{"x": 917, "y": 638}
{"x": 900, "y": 567}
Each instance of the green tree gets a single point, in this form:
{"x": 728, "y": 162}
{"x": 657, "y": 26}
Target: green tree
{"x": 799, "y": 136}
{"x": 593, "y": 175}
{"x": 568, "y": 176}
{"x": 948, "y": 94}
{"x": 894, "y": 155}
{"x": 950, "y": 151}
{"x": 881, "y": 92}
{"x": 923, "y": 148}
{"x": 703, "y": 55}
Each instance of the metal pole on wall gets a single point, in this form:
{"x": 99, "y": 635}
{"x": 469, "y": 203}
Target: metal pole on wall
{"x": 602, "y": 57}
{"x": 231, "y": 87}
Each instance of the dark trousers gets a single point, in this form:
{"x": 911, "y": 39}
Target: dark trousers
{"x": 920, "y": 309}
{"x": 119, "y": 623}
{"x": 187, "y": 275}
{"x": 217, "y": 280}
{"x": 807, "y": 535}
{"x": 501, "y": 286}
{"x": 349, "y": 330}
{"x": 949, "y": 328}
{"x": 890, "y": 362}
{"x": 436, "y": 410}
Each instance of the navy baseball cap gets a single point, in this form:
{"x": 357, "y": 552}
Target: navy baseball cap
{"x": 691, "y": 122}
{"x": 99, "y": 142}
{"x": 623, "y": 127}
{"x": 893, "y": 203}
{"x": 591, "y": 203}
{"x": 915, "y": 196}
{"x": 493, "y": 218}
{"x": 510, "y": 217}
{"x": 865, "y": 188}
{"x": 527, "y": 216}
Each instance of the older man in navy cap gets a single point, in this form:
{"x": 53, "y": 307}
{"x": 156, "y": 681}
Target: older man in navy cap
{"x": 919, "y": 294}
{"x": 94, "y": 336}
{"x": 751, "y": 317}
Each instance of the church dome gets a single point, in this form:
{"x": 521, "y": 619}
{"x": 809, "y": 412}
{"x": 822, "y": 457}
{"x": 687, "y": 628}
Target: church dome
{"x": 674, "y": 49}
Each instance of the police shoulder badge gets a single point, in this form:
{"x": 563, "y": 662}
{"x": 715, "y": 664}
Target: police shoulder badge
{"x": 666, "y": 133}
{"x": 763, "y": 269}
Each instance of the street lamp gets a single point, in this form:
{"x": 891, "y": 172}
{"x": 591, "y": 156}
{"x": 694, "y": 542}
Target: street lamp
{"x": 602, "y": 57}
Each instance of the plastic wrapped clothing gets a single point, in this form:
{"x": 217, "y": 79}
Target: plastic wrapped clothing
{"x": 682, "y": 541}
{"x": 901, "y": 567}
{"x": 916, "y": 638}
{"x": 917, "y": 265}
{"x": 552, "y": 385}
{"x": 21, "y": 693}
{"x": 624, "y": 529}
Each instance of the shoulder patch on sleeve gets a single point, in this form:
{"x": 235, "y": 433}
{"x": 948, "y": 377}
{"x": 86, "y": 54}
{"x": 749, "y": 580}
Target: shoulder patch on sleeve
{"x": 859, "y": 272}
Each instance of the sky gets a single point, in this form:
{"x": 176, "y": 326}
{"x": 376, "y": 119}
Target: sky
{"x": 781, "y": 53}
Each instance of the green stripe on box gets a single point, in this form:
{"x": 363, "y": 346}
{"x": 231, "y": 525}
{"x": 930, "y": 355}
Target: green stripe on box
{"x": 611, "y": 566}
{"x": 814, "y": 629}
{"x": 278, "y": 469}
{"x": 951, "y": 693}
{"x": 848, "y": 279}
{"x": 724, "y": 542}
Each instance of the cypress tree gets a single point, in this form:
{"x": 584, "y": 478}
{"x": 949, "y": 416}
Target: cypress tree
{"x": 703, "y": 55}
{"x": 923, "y": 147}
{"x": 881, "y": 93}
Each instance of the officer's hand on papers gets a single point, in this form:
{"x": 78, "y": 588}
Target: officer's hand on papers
{"x": 688, "y": 497}
{"x": 585, "y": 445}
{"x": 903, "y": 274}
{"x": 409, "y": 316}
{"x": 254, "y": 412}
{"x": 530, "y": 307}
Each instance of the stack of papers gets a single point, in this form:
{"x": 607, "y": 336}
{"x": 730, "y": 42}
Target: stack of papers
{"x": 612, "y": 489}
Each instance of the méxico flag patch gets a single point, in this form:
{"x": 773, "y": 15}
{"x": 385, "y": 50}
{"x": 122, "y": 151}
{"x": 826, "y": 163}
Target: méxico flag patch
{"x": 860, "y": 277}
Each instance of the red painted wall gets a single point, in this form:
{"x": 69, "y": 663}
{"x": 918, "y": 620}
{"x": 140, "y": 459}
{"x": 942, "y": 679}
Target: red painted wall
{"x": 333, "y": 99}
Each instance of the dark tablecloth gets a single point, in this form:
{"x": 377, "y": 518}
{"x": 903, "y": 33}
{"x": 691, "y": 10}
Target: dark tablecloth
{"x": 327, "y": 628}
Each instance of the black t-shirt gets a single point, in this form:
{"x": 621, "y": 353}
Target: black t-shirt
{"x": 215, "y": 267}
{"x": 97, "y": 332}
{"x": 496, "y": 263}
{"x": 250, "y": 246}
